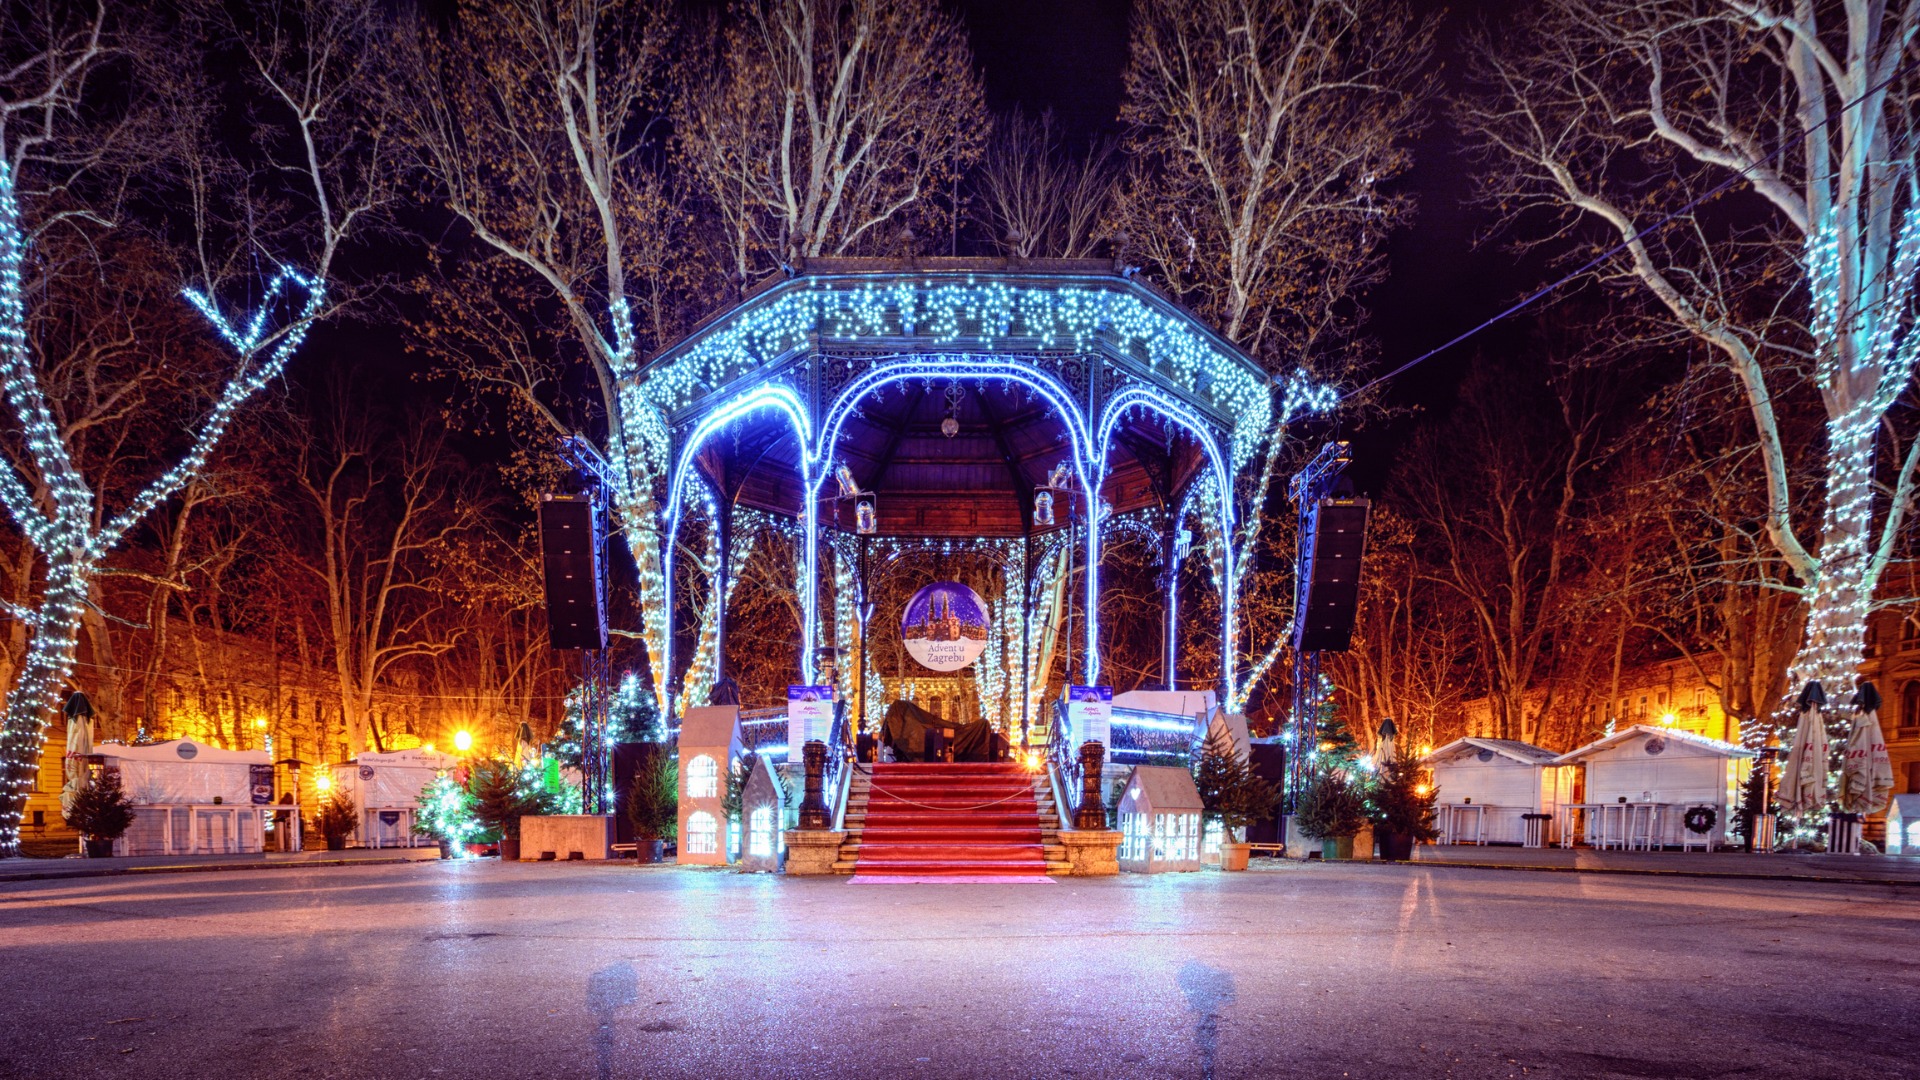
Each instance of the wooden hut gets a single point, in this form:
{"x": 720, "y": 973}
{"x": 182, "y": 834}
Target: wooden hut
{"x": 1159, "y": 821}
{"x": 1487, "y": 788}
{"x": 1655, "y": 776}
{"x": 386, "y": 788}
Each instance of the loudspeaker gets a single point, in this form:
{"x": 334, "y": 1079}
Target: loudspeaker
{"x": 1331, "y": 570}
{"x": 570, "y": 555}
{"x": 1268, "y": 760}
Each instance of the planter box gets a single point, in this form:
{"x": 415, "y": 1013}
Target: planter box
{"x": 564, "y": 834}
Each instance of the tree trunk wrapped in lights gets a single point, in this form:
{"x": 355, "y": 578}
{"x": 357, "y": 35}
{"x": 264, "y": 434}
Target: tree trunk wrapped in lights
{"x": 1795, "y": 110}
{"x": 65, "y": 534}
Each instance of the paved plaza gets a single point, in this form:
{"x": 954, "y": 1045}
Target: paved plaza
{"x": 531, "y": 970}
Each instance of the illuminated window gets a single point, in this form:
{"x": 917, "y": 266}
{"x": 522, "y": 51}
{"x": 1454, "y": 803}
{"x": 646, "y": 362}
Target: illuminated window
{"x": 760, "y": 832}
{"x": 703, "y": 778}
{"x": 703, "y": 832}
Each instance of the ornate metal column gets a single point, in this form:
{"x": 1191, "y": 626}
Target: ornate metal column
{"x": 1092, "y": 813}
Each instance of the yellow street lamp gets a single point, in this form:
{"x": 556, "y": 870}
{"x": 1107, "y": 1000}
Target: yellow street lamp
{"x": 322, "y": 783}
{"x": 463, "y": 740}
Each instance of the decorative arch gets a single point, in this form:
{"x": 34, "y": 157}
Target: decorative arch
{"x": 1141, "y": 397}
{"x": 767, "y": 396}
{"x": 985, "y": 369}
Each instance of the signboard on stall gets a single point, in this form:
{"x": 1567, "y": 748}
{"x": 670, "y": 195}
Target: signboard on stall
{"x": 260, "y": 784}
{"x": 1090, "y": 715}
{"x": 809, "y": 717}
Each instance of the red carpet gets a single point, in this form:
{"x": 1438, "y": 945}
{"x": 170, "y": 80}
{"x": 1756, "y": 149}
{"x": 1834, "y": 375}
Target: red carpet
{"x": 951, "y": 821}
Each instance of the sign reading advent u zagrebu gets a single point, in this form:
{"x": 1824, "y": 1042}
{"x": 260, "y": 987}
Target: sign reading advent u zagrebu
{"x": 945, "y": 626}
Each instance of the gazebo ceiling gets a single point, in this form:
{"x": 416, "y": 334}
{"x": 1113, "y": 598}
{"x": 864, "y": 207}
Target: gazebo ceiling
{"x": 980, "y": 481}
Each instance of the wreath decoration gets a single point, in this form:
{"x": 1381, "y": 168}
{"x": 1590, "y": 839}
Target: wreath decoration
{"x": 1700, "y": 820}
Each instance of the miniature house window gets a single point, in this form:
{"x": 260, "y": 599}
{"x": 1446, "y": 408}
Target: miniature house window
{"x": 703, "y": 832}
{"x": 760, "y": 832}
{"x": 703, "y": 778}
{"x": 1133, "y": 833}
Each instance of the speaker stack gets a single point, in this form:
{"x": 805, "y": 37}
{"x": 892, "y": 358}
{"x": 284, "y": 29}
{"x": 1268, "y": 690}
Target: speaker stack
{"x": 1332, "y": 576}
{"x": 570, "y": 557}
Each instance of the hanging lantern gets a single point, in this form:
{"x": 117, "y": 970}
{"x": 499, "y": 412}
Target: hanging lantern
{"x": 866, "y": 515}
{"x": 1043, "y": 507}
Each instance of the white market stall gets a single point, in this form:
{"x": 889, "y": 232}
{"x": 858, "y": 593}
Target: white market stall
{"x": 385, "y": 789}
{"x": 1643, "y": 783}
{"x": 1488, "y": 788}
{"x": 193, "y": 799}
{"x": 1903, "y": 825}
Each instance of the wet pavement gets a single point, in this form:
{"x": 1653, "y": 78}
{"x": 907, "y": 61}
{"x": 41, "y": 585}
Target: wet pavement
{"x": 553, "y": 970}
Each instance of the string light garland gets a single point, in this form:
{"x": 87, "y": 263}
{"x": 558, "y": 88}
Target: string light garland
{"x": 63, "y": 534}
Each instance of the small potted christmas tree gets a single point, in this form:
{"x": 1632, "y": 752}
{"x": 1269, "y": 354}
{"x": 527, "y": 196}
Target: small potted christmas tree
{"x": 1403, "y": 808}
{"x": 102, "y": 813}
{"x": 337, "y": 819}
{"x": 1232, "y": 795}
{"x": 653, "y": 805}
{"x": 1332, "y": 811}
{"x": 502, "y": 795}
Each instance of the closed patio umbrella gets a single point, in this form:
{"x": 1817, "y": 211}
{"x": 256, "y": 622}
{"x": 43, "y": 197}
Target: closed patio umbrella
{"x": 1866, "y": 779}
{"x": 1803, "y": 785}
{"x": 79, "y": 744}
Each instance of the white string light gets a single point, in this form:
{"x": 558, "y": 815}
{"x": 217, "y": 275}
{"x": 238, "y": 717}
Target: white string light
{"x": 64, "y": 535}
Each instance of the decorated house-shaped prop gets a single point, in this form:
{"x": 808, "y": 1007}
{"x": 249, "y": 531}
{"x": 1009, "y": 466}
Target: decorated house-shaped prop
{"x": 1505, "y": 779}
{"x": 1159, "y": 821}
{"x": 709, "y": 745}
{"x": 763, "y": 807}
{"x": 190, "y": 798}
{"x": 385, "y": 789}
{"x": 1670, "y": 770}
{"x": 1903, "y": 825}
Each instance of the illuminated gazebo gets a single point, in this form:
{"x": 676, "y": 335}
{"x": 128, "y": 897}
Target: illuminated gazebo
{"x": 1013, "y": 412}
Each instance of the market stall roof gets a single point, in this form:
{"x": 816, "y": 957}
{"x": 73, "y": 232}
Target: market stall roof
{"x": 183, "y": 750}
{"x": 1513, "y": 749}
{"x": 1642, "y": 731}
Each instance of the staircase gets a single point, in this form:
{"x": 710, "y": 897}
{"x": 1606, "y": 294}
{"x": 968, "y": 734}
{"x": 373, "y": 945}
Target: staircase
{"x": 951, "y": 821}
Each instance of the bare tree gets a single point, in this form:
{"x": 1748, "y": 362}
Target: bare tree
{"x": 1260, "y": 137}
{"x": 824, "y": 126}
{"x": 1409, "y": 639}
{"x": 1606, "y": 113}
{"x": 1038, "y": 198}
{"x": 1506, "y": 525}
{"x": 63, "y": 141}
{"x": 384, "y": 505}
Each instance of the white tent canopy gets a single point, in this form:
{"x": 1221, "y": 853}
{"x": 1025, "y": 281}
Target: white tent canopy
{"x": 183, "y": 772}
{"x": 192, "y": 798}
{"x": 386, "y": 789}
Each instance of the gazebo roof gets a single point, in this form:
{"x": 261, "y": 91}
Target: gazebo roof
{"x": 1081, "y": 324}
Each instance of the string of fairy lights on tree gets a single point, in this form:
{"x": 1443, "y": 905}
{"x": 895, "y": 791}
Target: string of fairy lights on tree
{"x": 61, "y": 530}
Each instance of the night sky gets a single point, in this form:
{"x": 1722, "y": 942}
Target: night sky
{"x": 1445, "y": 277}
